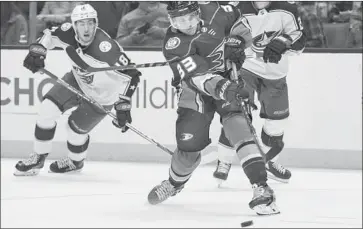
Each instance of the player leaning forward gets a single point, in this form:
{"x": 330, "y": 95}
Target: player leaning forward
{"x": 196, "y": 46}
{"x": 277, "y": 34}
{"x": 110, "y": 89}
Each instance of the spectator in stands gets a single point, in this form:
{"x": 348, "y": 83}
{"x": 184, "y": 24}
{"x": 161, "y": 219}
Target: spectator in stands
{"x": 355, "y": 26}
{"x": 14, "y": 26}
{"x": 313, "y": 27}
{"x": 340, "y": 12}
{"x": 110, "y": 14}
{"x": 144, "y": 26}
{"x": 55, "y": 14}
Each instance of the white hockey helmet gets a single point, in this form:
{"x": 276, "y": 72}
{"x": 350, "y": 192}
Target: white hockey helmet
{"x": 84, "y": 11}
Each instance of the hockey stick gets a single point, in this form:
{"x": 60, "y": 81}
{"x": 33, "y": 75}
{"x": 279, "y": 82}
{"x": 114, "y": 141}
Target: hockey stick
{"x": 73, "y": 55}
{"x": 112, "y": 115}
{"x": 234, "y": 77}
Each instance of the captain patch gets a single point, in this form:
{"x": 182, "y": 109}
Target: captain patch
{"x": 172, "y": 43}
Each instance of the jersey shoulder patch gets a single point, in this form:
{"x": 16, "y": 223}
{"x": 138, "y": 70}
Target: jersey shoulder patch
{"x": 104, "y": 48}
{"x": 66, "y": 26}
{"x": 66, "y": 36}
{"x": 175, "y": 44}
{"x": 172, "y": 43}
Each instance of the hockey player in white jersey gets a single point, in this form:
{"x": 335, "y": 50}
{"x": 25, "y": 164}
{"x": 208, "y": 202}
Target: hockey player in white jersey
{"x": 277, "y": 33}
{"x": 110, "y": 89}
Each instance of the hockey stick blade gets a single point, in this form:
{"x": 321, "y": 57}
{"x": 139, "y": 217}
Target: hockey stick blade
{"x": 73, "y": 55}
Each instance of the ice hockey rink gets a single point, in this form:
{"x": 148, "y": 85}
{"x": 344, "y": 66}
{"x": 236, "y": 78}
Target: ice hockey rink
{"x": 114, "y": 194}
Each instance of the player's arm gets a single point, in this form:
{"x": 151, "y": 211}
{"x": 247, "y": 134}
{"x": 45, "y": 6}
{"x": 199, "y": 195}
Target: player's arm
{"x": 56, "y": 37}
{"x": 293, "y": 30}
{"x": 292, "y": 38}
{"x": 193, "y": 69}
{"x": 123, "y": 105}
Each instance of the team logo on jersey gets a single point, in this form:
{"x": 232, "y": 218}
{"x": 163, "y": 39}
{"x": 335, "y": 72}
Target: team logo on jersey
{"x": 105, "y": 46}
{"x": 204, "y": 29}
{"x": 172, "y": 43}
{"x": 186, "y": 136}
{"x": 86, "y": 77}
{"x": 66, "y": 26}
{"x": 260, "y": 41}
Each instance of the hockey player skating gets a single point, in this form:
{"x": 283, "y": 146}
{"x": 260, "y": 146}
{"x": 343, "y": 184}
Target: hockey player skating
{"x": 196, "y": 46}
{"x": 277, "y": 32}
{"x": 110, "y": 89}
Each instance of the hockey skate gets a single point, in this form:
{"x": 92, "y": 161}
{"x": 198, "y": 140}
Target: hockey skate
{"x": 277, "y": 172}
{"x": 30, "y": 166}
{"x": 162, "y": 192}
{"x": 263, "y": 201}
{"x": 222, "y": 171}
{"x": 66, "y": 165}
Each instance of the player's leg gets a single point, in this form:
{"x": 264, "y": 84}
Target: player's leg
{"x": 239, "y": 135}
{"x": 192, "y": 135}
{"x": 226, "y": 152}
{"x": 55, "y": 102}
{"x": 275, "y": 110}
{"x": 80, "y": 123}
{"x": 226, "y": 155}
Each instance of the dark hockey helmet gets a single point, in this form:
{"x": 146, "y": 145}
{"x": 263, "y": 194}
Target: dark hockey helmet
{"x": 181, "y": 8}
{"x": 184, "y": 15}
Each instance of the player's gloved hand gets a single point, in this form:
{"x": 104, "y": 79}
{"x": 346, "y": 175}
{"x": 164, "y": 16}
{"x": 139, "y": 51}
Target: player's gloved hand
{"x": 35, "y": 58}
{"x": 234, "y": 50}
{"x": 231, "y": 92}
{"x": 123, "y": 108}
{"x": 274, "y": 50}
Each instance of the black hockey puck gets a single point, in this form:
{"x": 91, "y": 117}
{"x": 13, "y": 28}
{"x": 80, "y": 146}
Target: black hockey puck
{"x": 246, "y": 223}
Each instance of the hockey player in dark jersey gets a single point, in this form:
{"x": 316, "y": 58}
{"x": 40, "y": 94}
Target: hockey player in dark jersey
{"x": 196, "y": 47}
{"x": 277, "y": 33}
{"x": 110, "y": 89}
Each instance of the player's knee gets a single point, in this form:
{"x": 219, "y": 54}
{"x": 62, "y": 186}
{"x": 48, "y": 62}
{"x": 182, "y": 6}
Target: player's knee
{"x": 48, "y": 115}
{"x": 273, "y": 132}
{"x": 77, "y": 144}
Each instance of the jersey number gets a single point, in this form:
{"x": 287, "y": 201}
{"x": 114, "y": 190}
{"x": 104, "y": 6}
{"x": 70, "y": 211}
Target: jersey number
{"x": 188, "y": 64}
{"x": 123, "y": 59}
{"x": 227, "y": 8}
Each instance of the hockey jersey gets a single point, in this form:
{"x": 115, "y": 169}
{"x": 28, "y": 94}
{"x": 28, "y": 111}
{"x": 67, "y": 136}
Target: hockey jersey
{"x": 278, "y": 18}
{"x": 104, "y": 87}
{"x": 194, "y": 59}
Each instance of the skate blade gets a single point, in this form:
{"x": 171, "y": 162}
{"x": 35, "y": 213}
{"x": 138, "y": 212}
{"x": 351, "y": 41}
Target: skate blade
{"x": 219, "y": 182}
{"x": 273, "y": 177}
{"x": 32, "y": 172}
{"x": 69, "y": 172}
{"x": 264, "y": 209}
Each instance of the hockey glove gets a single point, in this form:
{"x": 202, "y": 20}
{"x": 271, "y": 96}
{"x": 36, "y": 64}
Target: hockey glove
{"x": 231, "y": 92}
{"x": 123, "y": 108}
{"x": 274, "y": 50}
{"x": 234, "y": 50}
{"x": 34, "y": 61}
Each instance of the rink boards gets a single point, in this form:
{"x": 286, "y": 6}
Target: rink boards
{"x": 324, "y": 129}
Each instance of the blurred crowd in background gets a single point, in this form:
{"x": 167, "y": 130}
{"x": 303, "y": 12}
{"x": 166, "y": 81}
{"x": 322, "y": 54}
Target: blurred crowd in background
{"x": 144, "y": 24}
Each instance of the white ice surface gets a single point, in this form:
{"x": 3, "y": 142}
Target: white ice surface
{"x": 111, "y": 194}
